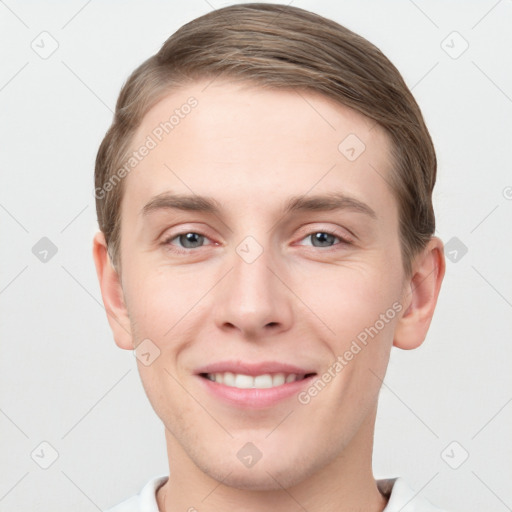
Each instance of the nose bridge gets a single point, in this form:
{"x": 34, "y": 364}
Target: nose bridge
{"x": 251, "y": 275}
{"x": 251, "y": 282}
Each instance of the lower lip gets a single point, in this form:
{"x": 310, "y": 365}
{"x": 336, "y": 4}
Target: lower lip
{"x": 253, "y": 398}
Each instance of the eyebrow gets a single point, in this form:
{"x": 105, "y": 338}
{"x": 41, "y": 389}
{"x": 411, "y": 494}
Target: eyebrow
{"x": 324, "y": 202}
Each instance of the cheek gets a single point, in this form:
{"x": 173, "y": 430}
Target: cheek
{"x": 155, "y": 296}
{"x": 350, "y": 298}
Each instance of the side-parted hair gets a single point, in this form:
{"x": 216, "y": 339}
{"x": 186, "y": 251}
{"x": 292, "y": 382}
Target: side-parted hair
{"x": 281, "y": 47}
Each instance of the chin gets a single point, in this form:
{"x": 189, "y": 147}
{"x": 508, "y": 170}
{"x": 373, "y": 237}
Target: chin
{"x": 264, "y": 476}
{"x": 245, "y": 479}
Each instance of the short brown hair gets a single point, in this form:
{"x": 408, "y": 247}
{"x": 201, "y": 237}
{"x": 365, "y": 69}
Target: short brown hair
{"x": 279, "y": 46}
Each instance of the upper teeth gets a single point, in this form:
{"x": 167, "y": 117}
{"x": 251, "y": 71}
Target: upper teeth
{"x": 238, "y": 380}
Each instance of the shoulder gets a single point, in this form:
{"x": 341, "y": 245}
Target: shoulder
{"x": 145, "y": 501}
{"x": 404, "y": 498}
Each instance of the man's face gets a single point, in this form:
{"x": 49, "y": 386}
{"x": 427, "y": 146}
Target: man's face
{"x": 291, "y": 286}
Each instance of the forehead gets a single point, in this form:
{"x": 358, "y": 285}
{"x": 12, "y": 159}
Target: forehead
{"x": 245, "y": 144}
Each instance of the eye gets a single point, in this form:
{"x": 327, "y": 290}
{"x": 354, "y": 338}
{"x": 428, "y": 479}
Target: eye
{"x": 187, "y": 240}
{"x": 325, "y": 239}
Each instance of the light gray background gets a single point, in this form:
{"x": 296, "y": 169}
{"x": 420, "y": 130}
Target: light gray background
{"x": 63, "y": 380}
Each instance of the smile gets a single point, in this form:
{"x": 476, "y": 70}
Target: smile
{"x": 264, "y": 381}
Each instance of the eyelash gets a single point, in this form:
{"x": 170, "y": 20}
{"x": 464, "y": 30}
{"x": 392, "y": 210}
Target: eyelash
{"x": 343, "y": 240}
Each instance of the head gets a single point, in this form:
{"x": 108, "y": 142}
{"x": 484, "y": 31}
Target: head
{"x": 279, "y": 126}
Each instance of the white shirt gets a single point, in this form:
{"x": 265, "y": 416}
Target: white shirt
{"x": 402, "y": 498}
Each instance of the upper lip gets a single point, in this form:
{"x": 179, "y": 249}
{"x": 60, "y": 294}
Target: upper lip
{"x": 253, "y": 369}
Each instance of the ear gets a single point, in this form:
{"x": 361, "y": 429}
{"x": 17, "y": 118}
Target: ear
{"x": 112, "y": 294}
{"x": 420, "y": 296}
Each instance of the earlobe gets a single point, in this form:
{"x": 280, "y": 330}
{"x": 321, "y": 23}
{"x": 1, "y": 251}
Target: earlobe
{"x": 112, "y": 294}
{"x": 421, "y": 296}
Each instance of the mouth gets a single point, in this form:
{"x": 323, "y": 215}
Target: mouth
{"x": 253, "y": 385}
{"x": 263, "y": 381}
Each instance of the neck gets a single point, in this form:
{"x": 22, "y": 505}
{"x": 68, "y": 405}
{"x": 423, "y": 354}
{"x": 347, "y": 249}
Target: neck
{"x": 343, "y": 484}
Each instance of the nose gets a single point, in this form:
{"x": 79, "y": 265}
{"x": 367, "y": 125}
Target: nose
{"x": 253, "y": 298}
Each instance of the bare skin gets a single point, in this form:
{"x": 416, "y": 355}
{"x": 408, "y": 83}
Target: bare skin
{"x": 302, "y": 301}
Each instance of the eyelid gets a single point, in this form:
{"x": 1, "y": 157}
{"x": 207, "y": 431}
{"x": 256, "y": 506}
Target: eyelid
{"x": 168, "y": 238}
{"x": 346, "y": 236}
{"x": 182, "y": 229}
{"x": 173, "y": 232}
{"x": 173, "y": 236}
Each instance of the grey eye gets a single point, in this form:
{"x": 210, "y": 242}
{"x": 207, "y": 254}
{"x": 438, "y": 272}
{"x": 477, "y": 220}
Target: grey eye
{"x": 191, "y": 240}
{"x": 322, "y": 239}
